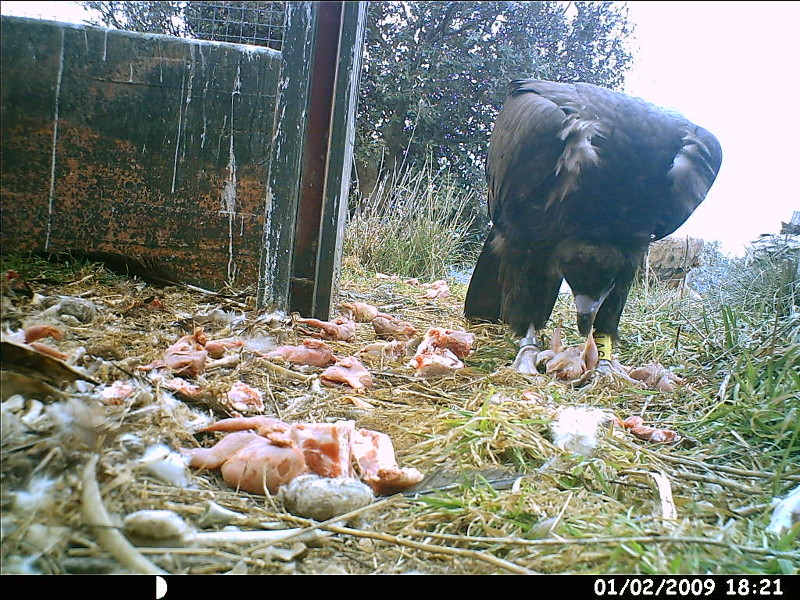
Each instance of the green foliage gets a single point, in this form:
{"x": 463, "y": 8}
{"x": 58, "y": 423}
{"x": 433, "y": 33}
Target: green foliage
{"x": 145, "y": 17}
{"x": 750, "y": 323}
{"x": 436, "y": 73}
{"x": 56, "y": 268}
{"x": 765, "y": 284}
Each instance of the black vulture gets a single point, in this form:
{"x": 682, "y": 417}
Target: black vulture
{"x": 581, "y": 180}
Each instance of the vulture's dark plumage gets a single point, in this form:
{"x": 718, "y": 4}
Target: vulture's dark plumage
{"x": 581, "y": 179}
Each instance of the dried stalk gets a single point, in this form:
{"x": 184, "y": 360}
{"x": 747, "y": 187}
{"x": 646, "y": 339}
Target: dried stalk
{"x": 331, "y": 525}
{"x": 279, "y": 371}
{"x": 723, "y": 468}
{"x": 461, "y": 552}
{"x": 97, "y": 518}
{"x": 612, "y": 541}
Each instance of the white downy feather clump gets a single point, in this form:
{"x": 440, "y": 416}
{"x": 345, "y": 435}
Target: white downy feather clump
{"x": 786, "y": 513}
{"x": 575, "y": 429}
{"x": 166, "y": 464}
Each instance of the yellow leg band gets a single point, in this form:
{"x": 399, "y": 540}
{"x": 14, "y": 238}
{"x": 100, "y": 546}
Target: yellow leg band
{"x": 604, "y": 346}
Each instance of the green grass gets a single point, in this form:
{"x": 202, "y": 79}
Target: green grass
{"x": 55, "y": 269}
{"x": 737, "y": 347}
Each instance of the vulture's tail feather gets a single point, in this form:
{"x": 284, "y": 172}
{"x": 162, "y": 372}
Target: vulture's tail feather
{"x": 483, "y": 295}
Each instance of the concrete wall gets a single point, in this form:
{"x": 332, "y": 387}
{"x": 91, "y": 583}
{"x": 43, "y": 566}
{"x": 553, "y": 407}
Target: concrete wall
{"x": 141, "y": 145}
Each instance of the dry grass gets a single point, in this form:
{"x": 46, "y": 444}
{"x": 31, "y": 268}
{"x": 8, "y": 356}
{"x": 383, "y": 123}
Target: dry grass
{"x": 499, "y": 496}
{"x": 413, "y": 225}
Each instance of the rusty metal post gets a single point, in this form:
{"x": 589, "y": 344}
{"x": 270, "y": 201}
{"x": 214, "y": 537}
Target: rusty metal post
{"x": 286, "y": 161}
{"x": 315, "y": 159}
{"x": 146, "y": 149}
{"x": 312, "y": 157}
{"x": 340, "y": 156}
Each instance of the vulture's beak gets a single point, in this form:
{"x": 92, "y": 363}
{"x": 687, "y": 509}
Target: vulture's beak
{"x": 587, "y": 308}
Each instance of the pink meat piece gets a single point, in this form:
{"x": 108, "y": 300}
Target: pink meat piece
{"x": 48, "y": 350}
{"x": 656, "y": 377}
{"x": 180, "y": 385}
{"x": 117, "y": 392}
{"x": 263, "y": 465}
{"x": 437, "y": 362}
{"x": 217, "y": 348}
{"x": 339, "y": 329}
{"x": 184, "y": 360}
{"x": 37, "y": 332}
{"x": 251, "y": 462}
{"x": 458, "y": 342}
{"x": 437, "y": 289}
{"x": 312, "y": 352}
{"x": 569, "y": 364}
{"x": 156, "y": 364}
{"x": 377, "y": 464}
{"x": 347, "y": 371}
{"x": 188, "y": 356}
{"x": 387, "y": 326}
{"x": 326, "y": 447}
{"x": 392, "y": 349}
{"x": 360, "y": 312}
{"x": 212, "y": 458}
{"x": 265, "y": 426}
{"x": 244, "y": 398}
{"x": 197, "y": 340}
{"x": 279, "y": 452}
{"x": 651, "y": 434}
{"x": 31, "y": 335}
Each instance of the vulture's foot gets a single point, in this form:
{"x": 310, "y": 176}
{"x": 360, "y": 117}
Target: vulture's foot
{"x": 609, "y": 374}
{"x": 526, "y": 360}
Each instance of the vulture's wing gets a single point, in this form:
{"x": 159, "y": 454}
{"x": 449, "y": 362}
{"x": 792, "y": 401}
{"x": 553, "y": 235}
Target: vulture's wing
{"x": 559, "y": 150}
{"x": 524, "y": 149}
{"x": 693, "y": 171}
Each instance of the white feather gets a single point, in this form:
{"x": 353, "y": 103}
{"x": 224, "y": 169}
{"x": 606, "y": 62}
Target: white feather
{"x": 576, "y": 429}
{"x": 786, "y": 513}
{"x": 166, "y": 464}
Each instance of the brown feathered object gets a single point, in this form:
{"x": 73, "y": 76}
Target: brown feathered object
{"x": 581, "y": 180}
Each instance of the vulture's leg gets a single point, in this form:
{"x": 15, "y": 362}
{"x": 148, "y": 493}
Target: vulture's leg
{"x": 528, "y": 351}
{"x": 483, "y": 295}
{"x": 606, "y": 332}
{"x": 529, "y": 294}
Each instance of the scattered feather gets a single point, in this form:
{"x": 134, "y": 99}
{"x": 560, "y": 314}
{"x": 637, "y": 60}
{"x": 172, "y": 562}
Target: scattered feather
{"x": 576, "y": 429}
{"x": 166, "y": 464}
{"x": 786, "y": 513}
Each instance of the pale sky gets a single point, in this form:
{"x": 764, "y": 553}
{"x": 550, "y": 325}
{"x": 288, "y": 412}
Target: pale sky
{"x": 731, "y": 67}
